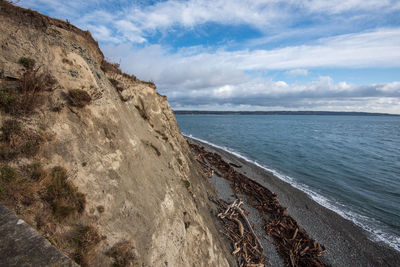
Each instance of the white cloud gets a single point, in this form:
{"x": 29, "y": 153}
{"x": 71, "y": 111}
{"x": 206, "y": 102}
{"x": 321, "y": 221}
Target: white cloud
{"x": 135, "y": 22}
{"x": 259, "y": 14}
{"x": 338, "y": 6}
{"x": 393, "y": 87}
{"x": 297, "y": 72}
{"x": 197, "y": 68}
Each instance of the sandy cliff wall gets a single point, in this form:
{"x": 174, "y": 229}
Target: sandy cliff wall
{"x": 123, "y": 151}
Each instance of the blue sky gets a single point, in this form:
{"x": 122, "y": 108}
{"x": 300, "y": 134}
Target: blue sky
{"x": 251, "y": 54}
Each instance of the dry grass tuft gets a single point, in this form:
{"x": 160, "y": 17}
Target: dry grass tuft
{"x": 15, "y": 189}
{"x": 79, "y": 98}
{"x": 116, "y": 85}
{"x": 9, "y": 129}
{"x": 123, "y": 254}
{"x": 16, "y": 141}
{"x": 85, "y": 239}
{"x": 114, "y": 82}
{"x": 109, "y": 67}
{"x": 63, "y": 196}
{"x": 8, "y": 174}
{"x": 36, "y": 172}
{"x": 27, "y": 96}
{"x": 150, "y": 84}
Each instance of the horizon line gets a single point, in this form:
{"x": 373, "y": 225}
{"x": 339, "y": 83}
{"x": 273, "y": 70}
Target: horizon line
{"x": 282, "y": 112}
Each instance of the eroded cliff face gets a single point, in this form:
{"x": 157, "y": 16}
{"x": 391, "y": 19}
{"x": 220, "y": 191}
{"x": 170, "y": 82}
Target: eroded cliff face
{"x": 123, "y": 151}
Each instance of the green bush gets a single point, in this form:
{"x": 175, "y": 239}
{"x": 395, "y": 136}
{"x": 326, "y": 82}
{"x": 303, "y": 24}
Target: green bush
{"x": 27, "y": 62}
{"x": 8, "y": 100}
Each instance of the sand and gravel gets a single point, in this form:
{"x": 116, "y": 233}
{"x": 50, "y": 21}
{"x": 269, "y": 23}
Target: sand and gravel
{"x": 346, "y": 243}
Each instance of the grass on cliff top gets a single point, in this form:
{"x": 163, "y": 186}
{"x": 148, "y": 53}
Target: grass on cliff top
{"x": 79, "y": 98}
{"x": 63, "y": 196}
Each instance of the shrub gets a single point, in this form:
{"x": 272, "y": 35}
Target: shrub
{"x": 123, "y": 253}
{"x": 7, "y": 153}
{"x": 10, "y": 128}
{"x": 9, "y": 146}
{"x": 114, "y": 82}
{"x": 36, "y": 172}
{"x": 8, "y": 174}
{"x": 8, "y": 178}
{"x": 31, "y": 84}
{"x": 79, "y": 98}
{"x": 110, "y": 67}
{"x": 27, "y": 62}
{"x": 31, "y": 147}
{"x": 25, "y": 98}
{"x": 85, "y": 238}
{"x": 150, "y": 84}
{"x": 8, "y": 100}
{"x": 16, "y": 141}
{"x": 63, "y": 196}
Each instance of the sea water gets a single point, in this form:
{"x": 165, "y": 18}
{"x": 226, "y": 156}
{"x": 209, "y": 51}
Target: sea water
{"x": 349, "y": 164}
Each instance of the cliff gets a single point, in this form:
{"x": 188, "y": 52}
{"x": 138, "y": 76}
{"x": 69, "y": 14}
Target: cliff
{"x": 92, "y": 158}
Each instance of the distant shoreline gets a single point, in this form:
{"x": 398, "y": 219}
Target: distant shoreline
{"x": 323, "y": 113}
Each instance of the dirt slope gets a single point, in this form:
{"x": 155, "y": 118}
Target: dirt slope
{"x": 123, "y": 151}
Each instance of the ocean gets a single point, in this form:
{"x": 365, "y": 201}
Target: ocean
{"x": 349, "y": 164}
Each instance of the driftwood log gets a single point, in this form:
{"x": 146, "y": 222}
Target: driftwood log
{"x": 246, "y": 246}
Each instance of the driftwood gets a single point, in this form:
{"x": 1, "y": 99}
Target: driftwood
{"x": 235, "y": 165}
{"x": 291, "y": 241}
{"x": 246, "y": 245}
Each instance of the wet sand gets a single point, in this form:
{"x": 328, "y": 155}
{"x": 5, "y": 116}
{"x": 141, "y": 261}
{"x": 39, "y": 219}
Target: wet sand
{"x": 346, "y": 243}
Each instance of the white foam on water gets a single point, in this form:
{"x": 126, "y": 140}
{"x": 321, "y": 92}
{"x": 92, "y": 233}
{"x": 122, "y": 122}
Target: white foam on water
{"x": 364, "y": 222}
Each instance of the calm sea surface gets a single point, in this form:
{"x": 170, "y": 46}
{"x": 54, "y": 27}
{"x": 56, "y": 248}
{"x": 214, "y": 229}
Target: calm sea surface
{"x": 350, "y": 164}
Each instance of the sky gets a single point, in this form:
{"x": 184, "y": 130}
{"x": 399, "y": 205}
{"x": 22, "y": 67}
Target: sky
{"x": 250, "y": 54}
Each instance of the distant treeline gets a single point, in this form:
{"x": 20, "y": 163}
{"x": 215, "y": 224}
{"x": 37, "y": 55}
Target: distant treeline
{"x": 336, "y": 113}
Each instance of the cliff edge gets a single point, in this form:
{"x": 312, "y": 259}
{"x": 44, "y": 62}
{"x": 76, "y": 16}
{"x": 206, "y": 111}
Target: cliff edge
{"x": 92, "y": 158}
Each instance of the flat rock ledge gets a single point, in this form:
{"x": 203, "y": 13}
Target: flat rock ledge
{"x": 21, "y": 245}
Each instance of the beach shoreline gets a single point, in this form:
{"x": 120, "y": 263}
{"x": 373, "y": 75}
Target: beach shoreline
{"x": 347, "y": 244}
